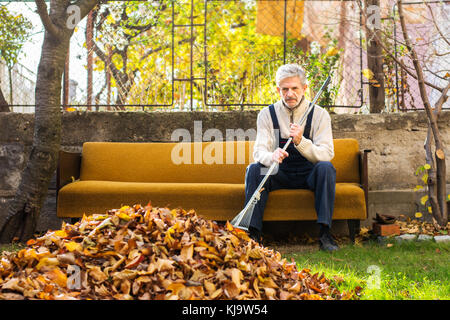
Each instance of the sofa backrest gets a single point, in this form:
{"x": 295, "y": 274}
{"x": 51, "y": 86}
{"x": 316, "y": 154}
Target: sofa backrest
{"x": 199, "y": 162}
{"x": 346, "y": 160}
{"x": 215, "y": 162}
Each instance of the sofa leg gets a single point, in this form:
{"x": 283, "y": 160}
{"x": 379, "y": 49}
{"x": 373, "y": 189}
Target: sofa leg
{"x": 354, "y": 226}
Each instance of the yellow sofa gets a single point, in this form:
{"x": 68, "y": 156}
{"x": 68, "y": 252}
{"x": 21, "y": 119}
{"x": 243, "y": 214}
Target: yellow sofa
{"x": 205, "y": 176}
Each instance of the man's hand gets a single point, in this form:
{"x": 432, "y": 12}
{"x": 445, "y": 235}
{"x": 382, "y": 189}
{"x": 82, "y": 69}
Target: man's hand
{"x": 279, "y": 154}
{"x": 296, "y": 132}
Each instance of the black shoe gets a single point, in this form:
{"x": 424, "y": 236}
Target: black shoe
{"x": 255, "y": 234}
{"x": 330, "y": 236}
{"x": 327, "y": 243}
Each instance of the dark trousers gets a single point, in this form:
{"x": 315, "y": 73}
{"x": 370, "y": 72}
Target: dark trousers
{"x": 321, "y": 179}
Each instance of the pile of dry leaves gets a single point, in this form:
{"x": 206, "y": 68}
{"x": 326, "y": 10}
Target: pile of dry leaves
{"x": 418, "y": 226}
{"x": 154, "y": 253}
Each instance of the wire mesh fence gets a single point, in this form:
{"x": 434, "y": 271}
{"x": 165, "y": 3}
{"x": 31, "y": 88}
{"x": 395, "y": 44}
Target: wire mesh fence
{"x": 17, "y": 85}
{"x": 212, "y": 55}
{"x": 428, "y": 27}
{"x": 209, "y": 54}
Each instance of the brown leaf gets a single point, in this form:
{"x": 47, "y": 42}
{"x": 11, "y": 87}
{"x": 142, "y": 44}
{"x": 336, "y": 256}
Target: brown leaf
{"x": 270, "y": 293}
{"x": 187, "y": 252}
{"x": 175, "y": 287}
{"x": 216, "y": 294}
{"x": 255, "y": 253}
{"x": 209, "y": 286}
{"x": 125, "y": 287}
{"x": 135, "y": 262}
{"x": 231, "y": 290}
{"x": 58, "y": 277}
{"x": 97, "y": 274}
{"x": 66, "y": 258}
{"x": 164, "y": 265}
{"x": 236, "y": 277}
{"x": 284, "y": 295}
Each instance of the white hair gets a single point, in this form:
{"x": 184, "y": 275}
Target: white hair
{"x": 290, "y": 70}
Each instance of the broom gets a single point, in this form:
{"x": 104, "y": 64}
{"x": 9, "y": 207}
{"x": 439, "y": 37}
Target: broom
{"x": 242, "y": 219}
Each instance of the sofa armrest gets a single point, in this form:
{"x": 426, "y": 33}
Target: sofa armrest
{"x": 364, "y": 176}
{"x": 69, "y": 164}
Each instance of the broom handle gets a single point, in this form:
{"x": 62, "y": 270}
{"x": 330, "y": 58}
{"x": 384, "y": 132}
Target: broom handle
{"x": 272, "y": 167}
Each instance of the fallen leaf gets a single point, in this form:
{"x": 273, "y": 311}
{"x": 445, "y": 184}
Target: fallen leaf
{"x": 231, "y": 290}
{"x": 187, "y": 252}
{"x": 58, "y": 277}
{"x": 47, "y": 262}
{"x": 73, "y": 246}
{"x": 97, "y": 274}
{"x": 209, "y": 286}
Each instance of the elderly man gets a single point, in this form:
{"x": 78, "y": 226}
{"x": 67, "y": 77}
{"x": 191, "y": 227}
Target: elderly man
{"x": 306, "y": 162}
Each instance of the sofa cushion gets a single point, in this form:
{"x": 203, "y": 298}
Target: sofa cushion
{"x": 217, "y": 201}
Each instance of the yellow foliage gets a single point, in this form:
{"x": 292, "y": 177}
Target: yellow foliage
{"x": 73, "y": 246}
{"x": 367, "y": 73}
{"x": 423, "y": 200}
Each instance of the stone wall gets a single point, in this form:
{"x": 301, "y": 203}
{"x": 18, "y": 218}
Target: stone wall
{"x": 396, "y": 141}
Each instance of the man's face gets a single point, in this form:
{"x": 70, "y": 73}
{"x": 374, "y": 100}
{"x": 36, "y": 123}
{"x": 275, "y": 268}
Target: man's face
{"x": 291, "y": 90}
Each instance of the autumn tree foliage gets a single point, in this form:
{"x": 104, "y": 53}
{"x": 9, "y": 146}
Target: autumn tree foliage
{"x": 14, "y": 31}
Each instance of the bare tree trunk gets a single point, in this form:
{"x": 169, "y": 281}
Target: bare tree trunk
{"x": 4, "y": 107}
{"x": 25, "y": 209}
{"x": 66, "y": 80}
{"x": 375, "y": 63}
{"x": 10, "y": 86}
{"x": 108, "y": 76}
{"x": 90, "y": 57}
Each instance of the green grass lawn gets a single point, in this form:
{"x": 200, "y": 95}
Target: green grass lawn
{"x": 394, "y": 271}
{"x": 11, "y": 247}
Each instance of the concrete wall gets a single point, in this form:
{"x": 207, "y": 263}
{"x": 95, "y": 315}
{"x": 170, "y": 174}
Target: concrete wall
{"x": 396, "y": 141}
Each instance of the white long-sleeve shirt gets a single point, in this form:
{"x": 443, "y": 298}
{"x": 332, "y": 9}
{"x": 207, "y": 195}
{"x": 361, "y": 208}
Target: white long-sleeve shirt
{"x": 319, "y": 147}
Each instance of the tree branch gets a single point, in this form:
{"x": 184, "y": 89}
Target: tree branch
{"x": 442, "y": 99}
{"x": 406, "y": 68}
{"x": 103, "y": 57}
{"x": 398, "y": 61}
{"x": 49, "y": 26}
{"x": 4, "y": 106}
{"x": 86, "y": 6}
{"x": 435, "y": 24}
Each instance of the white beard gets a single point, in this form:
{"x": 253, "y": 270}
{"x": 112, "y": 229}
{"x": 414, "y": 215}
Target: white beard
{"x": 294, "y": 107}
